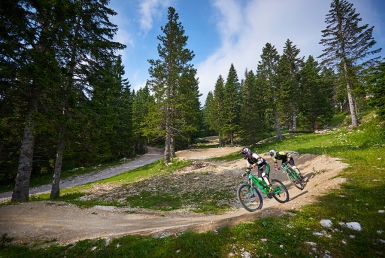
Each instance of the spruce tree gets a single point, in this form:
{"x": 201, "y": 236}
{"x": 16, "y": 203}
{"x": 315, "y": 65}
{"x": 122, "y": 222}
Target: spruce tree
{"x": 231, "y": 105}
{"x": 347, "y": 46}
{"x": 142, "y": 102}
{"x": 267, "y": 74}
{"x": 316, "y": 95}
{"x": 87, "y": 48}
{"x": 377, "y": 89}
{"x": 250, "y": 110}
{"x": 172, "y": 82}
{"x": 218, "y": 110}
{"x": 290, "y": 67}
{"x": 32, "y": 74}
{"x": 208, "y": 113}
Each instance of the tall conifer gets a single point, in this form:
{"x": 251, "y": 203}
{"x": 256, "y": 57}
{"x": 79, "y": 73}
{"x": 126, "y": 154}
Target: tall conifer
{"x": 347, "y": 46}
{"x": 290, "y": 66}
{"x": 172, "y": 81}
{"x": 267, "y": 74}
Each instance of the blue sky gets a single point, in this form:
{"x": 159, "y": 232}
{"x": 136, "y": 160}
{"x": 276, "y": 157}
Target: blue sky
{"x": 225, "y": 32}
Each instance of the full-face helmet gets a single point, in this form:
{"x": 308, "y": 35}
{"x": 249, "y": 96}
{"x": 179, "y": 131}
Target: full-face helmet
{"x": 272, "y": 153}
{"x": 246, "y": 152}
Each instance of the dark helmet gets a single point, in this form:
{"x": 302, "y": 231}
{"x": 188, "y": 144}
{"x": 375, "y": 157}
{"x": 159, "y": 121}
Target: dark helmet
{"x": 246, "y": 152}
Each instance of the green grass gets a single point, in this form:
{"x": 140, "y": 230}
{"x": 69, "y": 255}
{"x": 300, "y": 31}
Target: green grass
{"x": 137, "y": 175}
{"x": 298, "y": 234}
{"x": 43, "y": 179}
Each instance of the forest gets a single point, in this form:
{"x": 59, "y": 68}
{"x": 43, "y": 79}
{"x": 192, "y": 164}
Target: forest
{"x": 65, "y": 103}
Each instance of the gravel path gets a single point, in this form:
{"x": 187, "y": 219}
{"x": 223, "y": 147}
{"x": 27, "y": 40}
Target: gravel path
{"x": 63, "y": 223}
{"x": 153, "y": 155}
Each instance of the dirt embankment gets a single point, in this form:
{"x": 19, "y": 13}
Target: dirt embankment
{"x": 66, "y": 223}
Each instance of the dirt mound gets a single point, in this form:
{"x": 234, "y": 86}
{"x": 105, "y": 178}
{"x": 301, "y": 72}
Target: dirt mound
{"x": 63, "y": 223}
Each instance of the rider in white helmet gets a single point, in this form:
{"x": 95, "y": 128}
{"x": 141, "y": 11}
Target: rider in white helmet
{"x": 286, "y": 158}
{"x": 253, "y": 160}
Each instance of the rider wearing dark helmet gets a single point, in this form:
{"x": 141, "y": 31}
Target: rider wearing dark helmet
{"x": 286, "y": 158}
{"x": 253, "y": 160}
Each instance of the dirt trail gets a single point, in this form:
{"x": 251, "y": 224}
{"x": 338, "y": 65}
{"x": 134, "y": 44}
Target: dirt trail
{"x": 66, "y": 223}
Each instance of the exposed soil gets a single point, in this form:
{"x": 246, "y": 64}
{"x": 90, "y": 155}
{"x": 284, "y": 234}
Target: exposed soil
{"x": 63, "y": 223}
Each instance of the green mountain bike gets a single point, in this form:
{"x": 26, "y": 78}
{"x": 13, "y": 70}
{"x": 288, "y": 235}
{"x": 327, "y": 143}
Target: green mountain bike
{"x": 251, "y": 199}
{"x": 294, "y": 177}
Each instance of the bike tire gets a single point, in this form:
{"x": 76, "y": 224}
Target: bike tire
{"x": 281, "y": 194}
{"x": 249, "y": 197}
{"x": 297, "y": 182}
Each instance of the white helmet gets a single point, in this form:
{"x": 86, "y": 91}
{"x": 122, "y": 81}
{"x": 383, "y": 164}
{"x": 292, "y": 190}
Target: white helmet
{"x": 272, "y": 153}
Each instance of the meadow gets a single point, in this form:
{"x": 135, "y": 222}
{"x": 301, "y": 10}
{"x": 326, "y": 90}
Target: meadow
{"x": 321, "y": 229}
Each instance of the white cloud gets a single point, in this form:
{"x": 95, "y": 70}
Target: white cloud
{"x": 148, "y": 9}
{"x": 246, "y": 26}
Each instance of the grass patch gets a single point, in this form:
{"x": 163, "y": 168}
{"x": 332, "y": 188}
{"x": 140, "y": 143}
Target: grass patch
{"x": 44, "y": 179}
{"x": 360, "y": 199}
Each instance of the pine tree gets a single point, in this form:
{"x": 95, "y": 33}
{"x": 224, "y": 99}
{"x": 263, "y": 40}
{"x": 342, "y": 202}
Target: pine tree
{"x": 316, "y": 95}
{"x": 31, "y": 73}
{"x": 267, "y": 74}
{"x": 251, "y": 110}
{"x": 347, "y": 46}
{"x": 171, "y": 81}
{"x": 377, "y": 89}
{"x": 231, "y": 105}
{"x": 208, "y": 113}
{"x": 218, "y": 110}
{"x": 189, "y": 114}
{"x": 86, "y": 48}
{"x": 141, "y": 106}
{"x": 290, "y": 66}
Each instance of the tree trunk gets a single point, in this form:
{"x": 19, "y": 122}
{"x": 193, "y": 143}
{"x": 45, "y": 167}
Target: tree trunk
{"x": 172, "y": 147}
{"x": 167, "y": 146}
{"x": 294, "y": 114}
{"x": 352, "y": 108}
{"x": 21, "y": 190}
{"x": 55, "y": 190}
{"x": 278, "y": 128}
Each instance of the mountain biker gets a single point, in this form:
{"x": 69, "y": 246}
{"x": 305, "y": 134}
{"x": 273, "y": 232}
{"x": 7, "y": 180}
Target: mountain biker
{"x": 286, "y": 158}
{"x": 253, "y": 160}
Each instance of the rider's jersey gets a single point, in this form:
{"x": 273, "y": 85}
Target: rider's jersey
{"x": 256, "y": 159}
{"x": 281, "y": 156}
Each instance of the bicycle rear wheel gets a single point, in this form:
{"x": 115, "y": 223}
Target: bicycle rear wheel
{"x": 281, "y": 193}
{"x": 249, "y": 197}
{"x": 297, "y": 181}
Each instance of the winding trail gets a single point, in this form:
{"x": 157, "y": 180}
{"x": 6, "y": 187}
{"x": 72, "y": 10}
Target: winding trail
{"x": 63, "y": 223}
{"x": 153, "y": 155}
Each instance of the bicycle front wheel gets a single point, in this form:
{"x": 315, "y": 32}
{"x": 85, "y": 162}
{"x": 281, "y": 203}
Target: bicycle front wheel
{"x": 280, "y": 192}
{"x": 296, "y": 180}
{"x": 249, "y": 197}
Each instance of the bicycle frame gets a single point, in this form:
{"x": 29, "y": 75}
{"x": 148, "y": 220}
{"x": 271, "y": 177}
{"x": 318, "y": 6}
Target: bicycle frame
{"x": 250, "y": 196}
{"x": 293, "y": 177}
{"x": 259, "y": 182}
{"x": 292, "y": 172}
